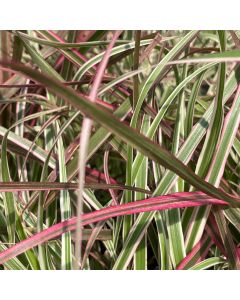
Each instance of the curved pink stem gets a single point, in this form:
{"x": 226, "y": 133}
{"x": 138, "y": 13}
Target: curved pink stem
{"x": 177, "y": 200}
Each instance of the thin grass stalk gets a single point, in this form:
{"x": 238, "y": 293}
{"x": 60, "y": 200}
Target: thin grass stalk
{"x": 84, "y": 139}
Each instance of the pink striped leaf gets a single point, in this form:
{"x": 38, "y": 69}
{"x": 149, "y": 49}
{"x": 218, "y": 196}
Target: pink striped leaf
{"x": 177, "y": 200}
